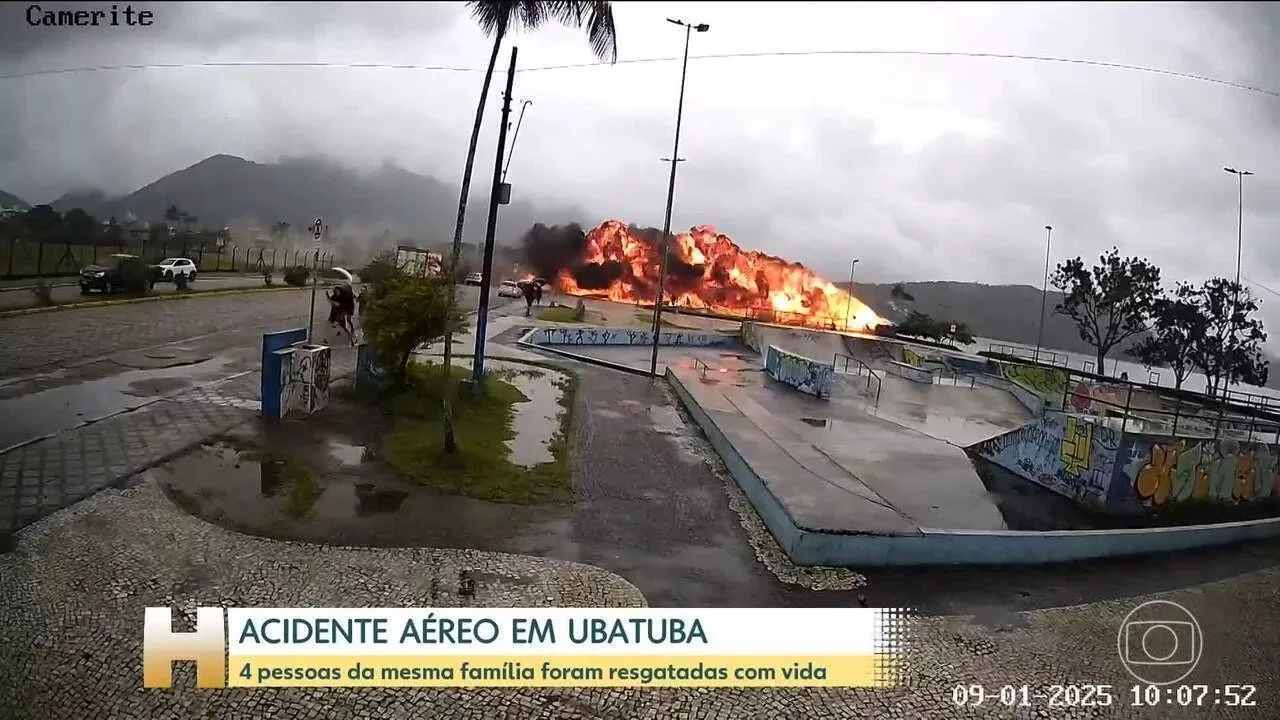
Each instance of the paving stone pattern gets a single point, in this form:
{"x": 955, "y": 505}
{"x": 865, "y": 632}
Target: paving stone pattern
{"x": 72, "y": 594}
{"x": 42, "y": 477}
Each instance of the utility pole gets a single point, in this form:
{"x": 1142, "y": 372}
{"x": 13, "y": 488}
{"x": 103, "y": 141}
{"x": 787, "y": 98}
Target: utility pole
{"x": 848, "y": 316}
{"x": 1044, "y": 291}
{"x": 1229, "y": 347}
{"x": 516, "y": 136}
{"x": 496, "y": 197}
{"x": 671, "y": 195}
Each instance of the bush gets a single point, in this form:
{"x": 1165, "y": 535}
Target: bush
{"x": 135, "y": 276}
{"x": 43, "y": 293}
{"x": 297, "y": 276}
{"x": 405, "y": 312}
{"x": 380, "y": 269}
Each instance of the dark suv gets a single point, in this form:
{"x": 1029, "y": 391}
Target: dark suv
{"x": 110, "y": 275}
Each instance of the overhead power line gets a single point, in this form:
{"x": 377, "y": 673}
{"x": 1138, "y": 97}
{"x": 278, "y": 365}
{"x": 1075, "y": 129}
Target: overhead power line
{"x": 639, "y": 61}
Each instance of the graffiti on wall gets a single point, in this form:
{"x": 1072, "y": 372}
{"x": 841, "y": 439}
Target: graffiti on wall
{"x": 622, "y": 336}
{"x": 911, "y": 357}
{"x": 304, "y": 376}
{"x": 1181, "y": 470}
{"x": 1096, "y": 398}
{"x": 1049, "y": 383}
{"x": 801, "y": 373}
{"x": 1068, "y": 455}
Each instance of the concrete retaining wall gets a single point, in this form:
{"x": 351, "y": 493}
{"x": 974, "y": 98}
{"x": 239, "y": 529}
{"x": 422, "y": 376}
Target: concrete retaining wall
{"x": 804, "y": 374}
{"x": 1135, "y": 474}
{"x": 623, "y": 336}
{"x": 1033, "y": 402}
{"x": 909, "y": 372}
{"x": 957, "y": 547}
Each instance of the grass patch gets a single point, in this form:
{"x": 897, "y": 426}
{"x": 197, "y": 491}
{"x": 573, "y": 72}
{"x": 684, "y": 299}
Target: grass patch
{"x": 557, "y": 314}
{"x": 646, "y": 318}
{"x": 482, "y": 426}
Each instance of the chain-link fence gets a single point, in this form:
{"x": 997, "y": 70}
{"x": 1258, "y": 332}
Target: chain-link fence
{"x": 32, "y": 259}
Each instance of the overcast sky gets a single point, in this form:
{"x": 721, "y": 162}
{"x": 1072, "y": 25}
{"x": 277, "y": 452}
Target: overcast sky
{"x": 923, "y": 167}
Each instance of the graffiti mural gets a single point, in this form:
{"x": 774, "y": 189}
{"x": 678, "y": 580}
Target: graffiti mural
{"x": 801, "y": 373}
{"x": 370, "y": 375}
{"x": 305, "y": 380}
{"x": 1068, "y": 455}
{"x": 1049, "y": 383}
{"x": 1165, "y": 471}
{"x": 622, "y": 336}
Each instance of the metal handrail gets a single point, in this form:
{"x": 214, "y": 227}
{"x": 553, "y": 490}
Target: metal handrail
{"x": 698, "y": 364}
{"x": 871, "y": 373}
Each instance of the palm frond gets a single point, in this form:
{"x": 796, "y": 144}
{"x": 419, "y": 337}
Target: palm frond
{"x": 595, "y": 16}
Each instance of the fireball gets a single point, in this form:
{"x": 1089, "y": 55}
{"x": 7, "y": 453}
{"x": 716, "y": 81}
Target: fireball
{"x": 708, "y": 271}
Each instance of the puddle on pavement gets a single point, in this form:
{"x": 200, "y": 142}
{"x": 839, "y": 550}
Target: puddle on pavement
{"x": 536, "y": 421}
{"x": 815, "y": 422}
{"x": 338, "y": 503}
{"x": 346, "y": 453}
{"x": 61, "y": 408}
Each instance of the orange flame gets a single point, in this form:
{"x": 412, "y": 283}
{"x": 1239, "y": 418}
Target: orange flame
{"x": 708, "y": 271}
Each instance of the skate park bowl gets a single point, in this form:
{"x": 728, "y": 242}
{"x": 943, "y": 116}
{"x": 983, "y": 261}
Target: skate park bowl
{"x": 867, "y": 451}
{"x": 923, "y": 456}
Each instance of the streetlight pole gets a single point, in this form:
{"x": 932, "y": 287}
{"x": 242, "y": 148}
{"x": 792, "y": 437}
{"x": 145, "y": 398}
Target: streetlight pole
{"x": 671, "y": 194}
{"x": 514, "y": 137}
{"x": 849, "y": 311}
{"x": 1239, "y": 248}
{"x": 1044, "y": 291}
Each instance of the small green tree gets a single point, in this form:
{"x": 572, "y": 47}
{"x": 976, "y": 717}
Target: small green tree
{"x": 380, "y": 269}
{"x": 1178, "y": 327}
{"x": 1109, "y": 302}
{"x": 1230, "y": 348}
{"x": 404, "y": 312}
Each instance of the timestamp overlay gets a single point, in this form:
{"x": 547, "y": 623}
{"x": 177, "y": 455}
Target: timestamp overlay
{"x": 1160, "y": 644}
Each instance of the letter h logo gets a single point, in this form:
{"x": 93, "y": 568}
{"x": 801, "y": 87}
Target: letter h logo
{"x": 206, "y": 647}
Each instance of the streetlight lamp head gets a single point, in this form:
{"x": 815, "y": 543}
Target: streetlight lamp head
{"x": 702, "y": 28}
{"x": 1230, "y": 170}
{"x": 674, "y": 21}
{"x": 1048, "y": 227}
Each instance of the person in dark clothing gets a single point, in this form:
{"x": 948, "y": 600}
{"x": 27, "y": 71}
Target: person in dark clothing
{"x": 342, "y": 308}
{"x": 537, "y": 292}
{"x": 530, "y": 294}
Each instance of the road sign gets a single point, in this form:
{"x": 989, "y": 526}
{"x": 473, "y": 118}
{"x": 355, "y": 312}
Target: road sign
{"x": 317, "y": 229}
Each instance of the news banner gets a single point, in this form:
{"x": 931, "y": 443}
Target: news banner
{"x": 635, "y": 648}
{"x": 426, "y": 647}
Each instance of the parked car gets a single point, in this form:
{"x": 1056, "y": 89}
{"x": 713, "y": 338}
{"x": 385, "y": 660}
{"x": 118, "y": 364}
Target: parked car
{"x": 474, "y": 279}
{"x": 509, "y": 288}
{"x": 109, "y": 275}
{"x": 170, "y": 268}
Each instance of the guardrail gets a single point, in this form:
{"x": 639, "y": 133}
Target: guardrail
{"x": 859, "y": 370}
{"x": 955, "y": 378}
{"x": 701, "y": 367}
{"x": 1048, "y": 357}
{"x": 1194, "y": 420}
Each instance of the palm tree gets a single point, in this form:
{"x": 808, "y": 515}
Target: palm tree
{"x": 499, "y": 17}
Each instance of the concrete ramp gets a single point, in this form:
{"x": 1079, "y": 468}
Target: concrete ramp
{"x": 959, "y": 415}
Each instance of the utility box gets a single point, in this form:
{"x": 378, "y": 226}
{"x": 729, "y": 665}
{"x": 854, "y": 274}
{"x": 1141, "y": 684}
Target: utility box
{"x": 311, "y": 368}
{"x": 504, "y": 194}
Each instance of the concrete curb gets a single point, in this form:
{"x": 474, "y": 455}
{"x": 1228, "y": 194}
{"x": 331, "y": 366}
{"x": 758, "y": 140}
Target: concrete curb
{"x": 150, "y": 298}
{"x": 933, "y": 547}
{"x": 62, "y": 280}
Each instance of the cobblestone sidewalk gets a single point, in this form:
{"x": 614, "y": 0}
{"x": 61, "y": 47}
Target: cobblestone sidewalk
{"x": 42, "y": 477}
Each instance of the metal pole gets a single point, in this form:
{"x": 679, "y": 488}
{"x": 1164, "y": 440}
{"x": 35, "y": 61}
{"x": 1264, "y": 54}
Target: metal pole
{"x": 315, "y": 277}
{"x": 666, "y": 223}
{"x": 1228, "y": 347}
{"x": 849, "y": 312}
{"x": 1044, "y": 292}
{"x": 515, "y": 136}
{"x": 495, "y": 195}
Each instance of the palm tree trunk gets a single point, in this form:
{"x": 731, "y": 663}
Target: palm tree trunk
{"x": 466, "y": 192}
